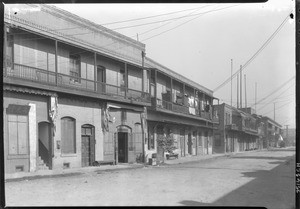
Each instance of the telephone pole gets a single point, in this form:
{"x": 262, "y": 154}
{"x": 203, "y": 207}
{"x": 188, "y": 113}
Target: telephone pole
{"x": 231, "y": 85}
{"x": 274, "y": 111}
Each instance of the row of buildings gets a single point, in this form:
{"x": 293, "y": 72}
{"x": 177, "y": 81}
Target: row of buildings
{"x": 76, "y": 93}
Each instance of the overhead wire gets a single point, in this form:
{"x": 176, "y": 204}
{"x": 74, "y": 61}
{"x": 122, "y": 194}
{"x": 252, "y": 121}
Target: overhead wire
{"x": 185, "y": 16}
{"x": 143, "y": 18}
{"x": 275, "y": 91}
{"x": 276, "y": 97}
{"x": 256, "y": 53}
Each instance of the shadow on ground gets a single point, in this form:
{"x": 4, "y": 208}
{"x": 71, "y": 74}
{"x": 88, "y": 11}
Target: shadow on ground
{"x": 272, "y": 189}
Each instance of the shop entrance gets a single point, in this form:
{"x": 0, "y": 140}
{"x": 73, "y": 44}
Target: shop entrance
{"x": 122, "y": 147}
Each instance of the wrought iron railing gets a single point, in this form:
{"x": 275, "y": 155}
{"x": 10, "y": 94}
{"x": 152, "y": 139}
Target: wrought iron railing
{"x": 68, "y": 81}
{"x": 181, "y": 109}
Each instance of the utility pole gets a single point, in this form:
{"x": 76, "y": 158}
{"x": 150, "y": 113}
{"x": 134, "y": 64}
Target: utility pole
{"x": 237, "y": 91}
{"x": 274, "y": 111}
{"x": 241, "y": 88}
{"x": 245, "y": 92}
{"x": 255, "y": 96}
{"x": 287, "y": 131}
{"x": 231, "y": 85}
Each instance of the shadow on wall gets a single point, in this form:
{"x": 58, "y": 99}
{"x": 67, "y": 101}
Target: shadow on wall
{"x": 269, "y": 189}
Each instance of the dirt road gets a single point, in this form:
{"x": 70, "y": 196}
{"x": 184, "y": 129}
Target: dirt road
{"x": 262, "y": 178}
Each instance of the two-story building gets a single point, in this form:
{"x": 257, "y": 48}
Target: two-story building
{"x": 237, "y": 130}
{"x": 272, "y": 132}
{"x": 74, "y": 92}
{"x": 181, "y": 109}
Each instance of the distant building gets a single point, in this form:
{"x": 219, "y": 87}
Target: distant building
{"x": 289, "y": 136}
{"x": 237, "y": 130}
{"x": 271, "y": 131}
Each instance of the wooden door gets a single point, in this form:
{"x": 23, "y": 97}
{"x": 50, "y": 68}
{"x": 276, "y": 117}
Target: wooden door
{"x": 85, "y": 151}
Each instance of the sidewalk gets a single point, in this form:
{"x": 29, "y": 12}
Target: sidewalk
{"x": 80, "y": 171}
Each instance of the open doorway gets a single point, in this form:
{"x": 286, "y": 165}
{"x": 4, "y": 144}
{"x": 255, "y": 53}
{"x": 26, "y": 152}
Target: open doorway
{"x": 122, "y": 147}
{"x": 45, "y": 145}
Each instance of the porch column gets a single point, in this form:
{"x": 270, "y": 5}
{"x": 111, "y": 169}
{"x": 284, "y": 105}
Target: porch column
{"x": 171, "y": 90}
{"x": 32, "y": 138}
{"x": 56, "y": 64}
{"x": 4, "y": 50}
{"x": 126, "y": 79}
{"x": 95, "y": 72}
{"x": 155, "y": 82}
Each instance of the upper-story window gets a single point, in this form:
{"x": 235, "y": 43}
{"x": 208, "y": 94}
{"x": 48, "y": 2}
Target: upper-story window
{"x": 75, "y": 67}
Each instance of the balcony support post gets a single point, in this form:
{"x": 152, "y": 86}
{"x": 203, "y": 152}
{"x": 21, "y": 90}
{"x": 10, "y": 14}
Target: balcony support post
{"x": 4, "y": 50}
{"x": 171, "y": 96}
{"x": 56, "y": 64}
{"x": 95, "y": 72}
{"x": 126, "y": 80}
{"x": 155, "y": 89}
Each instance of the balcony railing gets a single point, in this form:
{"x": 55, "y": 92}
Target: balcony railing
{"x": 232, "y": 127}
{"x": 67, "y": 81}
{"x": 181, "y": 109}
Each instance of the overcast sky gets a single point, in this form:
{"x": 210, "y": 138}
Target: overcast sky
{"x": 199, "y": 41}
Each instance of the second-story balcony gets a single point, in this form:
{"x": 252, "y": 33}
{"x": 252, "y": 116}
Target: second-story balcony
{"x": 182, "y": 109}
{"x": 40, "y": 76}
{"x": 233, "y": 127}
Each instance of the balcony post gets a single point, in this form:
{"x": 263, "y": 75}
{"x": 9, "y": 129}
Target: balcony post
{"x": 126, "y": 80}
{"x": 195, "y": 98}
{"x": 56, "y": 64}
{"x": 95, "y": 72}
{"x": 171, "y": 90}
{"x": 155, "y": 82}
{"x": 4, "y": 50}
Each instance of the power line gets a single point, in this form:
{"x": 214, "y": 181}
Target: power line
{"x": 165, "y": 24}
{"x": 264, "y": 98}
{"x": 143, "y": 18}
{"x": 138, "y": 25}
{"x": 277, "y": 96}
{"x": 256, "y": 53}
{"x": 277, "y": 108}
{"x": 184, "y": 23}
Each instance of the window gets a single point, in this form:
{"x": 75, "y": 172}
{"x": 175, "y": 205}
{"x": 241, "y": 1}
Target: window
{"x": 68, "y": 135}
{"x": 75, "y": 67}
{"x": 17, "y": 134}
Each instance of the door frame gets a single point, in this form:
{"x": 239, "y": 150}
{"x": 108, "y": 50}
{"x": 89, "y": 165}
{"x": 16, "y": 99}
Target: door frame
{"x": 92, "y": 142}
{"x": 50, "y": 143}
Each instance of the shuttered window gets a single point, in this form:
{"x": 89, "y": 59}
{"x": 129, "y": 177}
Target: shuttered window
{"x": 17, "y": 134}
{"x": 68, "y": 135}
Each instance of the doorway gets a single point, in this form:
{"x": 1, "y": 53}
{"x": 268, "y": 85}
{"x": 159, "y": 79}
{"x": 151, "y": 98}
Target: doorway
{"x": 87, "y": 145}
{"x": 101, "y": 79}
{"x": 122, "y": 147}
{"x": 45, "y": 143}
{"x": 190, "y": 144}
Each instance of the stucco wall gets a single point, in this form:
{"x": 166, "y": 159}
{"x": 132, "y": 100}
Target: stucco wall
{"x": 84, "y": 112}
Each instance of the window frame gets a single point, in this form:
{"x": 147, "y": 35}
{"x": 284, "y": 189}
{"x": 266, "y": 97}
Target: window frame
{"x": 63, "y": 134}
{"x": 17, "y": 140}
{"x": 75, "y": 75}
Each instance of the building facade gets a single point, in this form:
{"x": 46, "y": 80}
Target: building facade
{"x": 237, "y": 130}
{"x": 272, "y": 132}
{"x": 180, "y": 109}
{"x": 73, "y": 92}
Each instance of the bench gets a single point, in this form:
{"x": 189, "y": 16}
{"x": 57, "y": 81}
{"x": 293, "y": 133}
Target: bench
{"x": 172, "y": 155}
{"x": 104, "y": 162}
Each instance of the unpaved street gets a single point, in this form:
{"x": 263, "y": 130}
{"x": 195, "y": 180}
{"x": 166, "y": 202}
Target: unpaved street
{"x": 262, "y": 178}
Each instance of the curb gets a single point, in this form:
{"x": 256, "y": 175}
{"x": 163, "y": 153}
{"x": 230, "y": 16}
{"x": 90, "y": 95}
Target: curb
{"x": 75, "y": 173}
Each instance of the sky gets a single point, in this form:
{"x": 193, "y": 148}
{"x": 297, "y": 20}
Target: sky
{"x": 200, "y": 41}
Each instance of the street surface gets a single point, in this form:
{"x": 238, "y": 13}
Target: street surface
{"x": 259, "y": 178}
